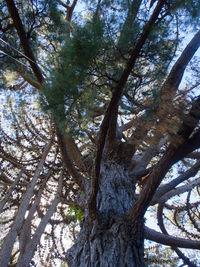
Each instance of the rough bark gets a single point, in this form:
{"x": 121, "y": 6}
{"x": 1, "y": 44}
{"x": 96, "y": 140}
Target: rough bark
{"x": 112, "y": 239}
{"x": 109, "y": 236}
{"x": 108, "y": 243}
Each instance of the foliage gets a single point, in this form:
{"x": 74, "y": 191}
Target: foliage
{"x": 76, "y": 213}
{"x": 98, "y": 132}
{"x": 68, "y": 90}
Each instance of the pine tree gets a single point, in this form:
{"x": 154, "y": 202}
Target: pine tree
{"x": 98, "y": 131}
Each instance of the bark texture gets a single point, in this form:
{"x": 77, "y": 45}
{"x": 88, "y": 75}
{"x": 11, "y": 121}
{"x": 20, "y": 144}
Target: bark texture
{"x": 112, "y": 239}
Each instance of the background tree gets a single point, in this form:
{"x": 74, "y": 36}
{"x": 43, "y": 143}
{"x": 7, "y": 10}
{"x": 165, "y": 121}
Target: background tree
{"x": 116, "y": 136}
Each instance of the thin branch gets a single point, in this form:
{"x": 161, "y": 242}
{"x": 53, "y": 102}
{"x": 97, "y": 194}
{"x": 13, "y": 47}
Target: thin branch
{"x": 12, "y": 187}
{"x": 182, "y": 208}
{"x": 6, "y": 248}
{"x": 163, "y": 229}
{"x": 171, "y": 185}
{"x": 180, "y": 190}
{"x": 25, "y": 258}
{"x": 25, "y": 232}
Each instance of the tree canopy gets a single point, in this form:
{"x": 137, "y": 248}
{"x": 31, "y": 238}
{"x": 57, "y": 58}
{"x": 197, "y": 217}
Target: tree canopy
{"x": 99, "y": 133}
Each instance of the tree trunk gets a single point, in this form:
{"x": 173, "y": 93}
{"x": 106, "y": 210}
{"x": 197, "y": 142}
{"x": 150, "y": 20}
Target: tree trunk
{"x": 112, "y": 239}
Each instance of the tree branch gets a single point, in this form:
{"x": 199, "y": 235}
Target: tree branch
{"x": 23, "y": 39}
{"x": 70, "y": 10}
{"x": 28, "y": 52}
{"x": 6, "y": 248}
{"x": 163, "y": 229}
{"x": 117, "y": 93}
{"x": 182, "y": 143}
{"x": 31, "y": 81}
{"x": 25, "y": 258}
{"x": 130, "y": 19}
{"x": 171, "y": 185}
{"x": 25, "y": 232}
{"x": 180, "y": 190}
{"x": 175, "y": 76}
{"x": 11, "y": 189}
{"x": 174, "y": 153}
{"x": 169, "y": 240}
{"x": 78, "y": 178}
{"x": 146, "y": 157}
{"x": 75, "y": 153}
{"x": 170, "y": 87}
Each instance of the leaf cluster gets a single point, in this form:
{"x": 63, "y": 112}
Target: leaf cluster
{"x": 67, "y": 91}
{"x": 76, "y": 213}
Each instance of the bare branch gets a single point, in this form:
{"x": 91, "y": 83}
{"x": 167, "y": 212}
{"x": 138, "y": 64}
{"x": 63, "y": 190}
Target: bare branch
{"x": 6, "y": 249}
{"x": 168, "y": 187}
{"x": 70, "y": 10}
{"x": 25, "y": 232}
{"x": 180, "y": 190}
{"x": 23, "y": 39}
{"x": 25, "y": 258}
{"x": 78, "y": 178}
{"x": 163, "y": 229}
{"x": 169, "y": 240}
{"x": 12, "y": 187}
{"x": 31, "y": 81}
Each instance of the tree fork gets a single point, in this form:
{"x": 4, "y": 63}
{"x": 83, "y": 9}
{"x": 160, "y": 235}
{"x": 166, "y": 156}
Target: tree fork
{"x": 117, "y": 93}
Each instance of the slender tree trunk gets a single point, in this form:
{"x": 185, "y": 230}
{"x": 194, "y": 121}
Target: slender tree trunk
{"x": 112, "y": 239}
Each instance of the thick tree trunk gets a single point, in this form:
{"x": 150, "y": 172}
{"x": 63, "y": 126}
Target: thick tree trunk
{"x": 112, "y": 239}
